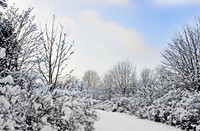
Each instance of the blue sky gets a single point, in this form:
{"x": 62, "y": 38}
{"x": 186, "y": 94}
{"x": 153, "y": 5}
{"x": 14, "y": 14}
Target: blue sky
{"x": 108, "y": 31}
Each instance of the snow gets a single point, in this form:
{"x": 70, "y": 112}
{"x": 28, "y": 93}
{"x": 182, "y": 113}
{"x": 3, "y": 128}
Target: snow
{"x": 113, "y": 121}
{"x": 2, "y": 52}
{"x": 47, "y": 128}
{"x": 8, "y": 79}
{"x": 198, "y": 128}
{"x": 4, "y": 102}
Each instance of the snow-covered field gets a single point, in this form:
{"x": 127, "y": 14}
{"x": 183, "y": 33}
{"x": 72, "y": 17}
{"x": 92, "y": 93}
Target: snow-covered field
{"x": 110, "y": 121}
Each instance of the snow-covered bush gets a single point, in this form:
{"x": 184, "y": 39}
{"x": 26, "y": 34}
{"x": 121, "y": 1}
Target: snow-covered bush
{"x": 122, "y": 105}
{"x": 104, "y": 93}
{"x": 34, "y": 107}
{"x": 177, "y": 108}
{"x": 105, "y": 105}
{"x": 76, "y": 89}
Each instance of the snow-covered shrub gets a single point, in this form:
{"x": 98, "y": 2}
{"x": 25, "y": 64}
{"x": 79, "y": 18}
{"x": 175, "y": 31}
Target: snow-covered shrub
{"x": 122, "y": 105}
{"x": 104, "y": 93}
{"x": 138, "y": 105}
{"x": 105, "y": 105}
{"x": 17, "y": 107}
{"x": 177, "y": 108}
{"x": 74, "y": 96}
{"x": 187, "y": 111}
{"x": 145, "y": 96}
{"x": 34, "y": 107}
{"x": 76, "y": 89}
{"x": 163, "y": 106}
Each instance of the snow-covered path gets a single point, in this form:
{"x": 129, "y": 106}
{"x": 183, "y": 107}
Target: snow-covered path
{"x": 110, "y": 121}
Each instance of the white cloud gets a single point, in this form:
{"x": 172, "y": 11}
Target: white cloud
{"x": 117, "y": 35}
{"x": 106, "y": 42}
{"x": 176, "y": 2}
{"x": 108, "y": 2}
{"x": 98, "y": 43}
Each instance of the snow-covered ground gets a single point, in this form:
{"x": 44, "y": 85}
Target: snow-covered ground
{"x": 110, "y": 121}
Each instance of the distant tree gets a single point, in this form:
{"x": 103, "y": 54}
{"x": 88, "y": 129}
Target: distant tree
{"x": 70, "y": 78}
{"x": 121, "y": 76}
{"x": 149, "y": 87}
{"x": 57, "y": 50}
{"x": 164, "y": 75}
{"x": 148, "y": 77}
{"x": 91, "y": 78}
{"x": 183, "y": 56}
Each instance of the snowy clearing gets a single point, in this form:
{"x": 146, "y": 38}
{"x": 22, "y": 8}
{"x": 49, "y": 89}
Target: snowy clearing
{"x": 113, "y": 121}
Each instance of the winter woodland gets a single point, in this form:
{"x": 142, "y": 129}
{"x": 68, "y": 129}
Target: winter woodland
{"x": 37, "y": 94}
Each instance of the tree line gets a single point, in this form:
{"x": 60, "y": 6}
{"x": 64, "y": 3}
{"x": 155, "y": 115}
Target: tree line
{"x": 180, "y": 64}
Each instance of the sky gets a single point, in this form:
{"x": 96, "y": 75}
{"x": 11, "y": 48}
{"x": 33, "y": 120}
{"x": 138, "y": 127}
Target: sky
{"x": 109, "y": 31}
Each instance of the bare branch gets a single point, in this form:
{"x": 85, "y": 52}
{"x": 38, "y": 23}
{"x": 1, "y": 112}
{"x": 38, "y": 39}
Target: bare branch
{"x": 56, "y": 54}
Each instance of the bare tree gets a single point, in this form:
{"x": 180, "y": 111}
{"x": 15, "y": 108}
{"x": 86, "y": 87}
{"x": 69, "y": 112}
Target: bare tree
{"x": 57, "y": 51}
{"x": 183, "y": 56}
{"x": 122, "y": 76}
{"x": 148, "y": 87}
{"x": 148, "y": 77}
{"x": 91, "y": 78}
